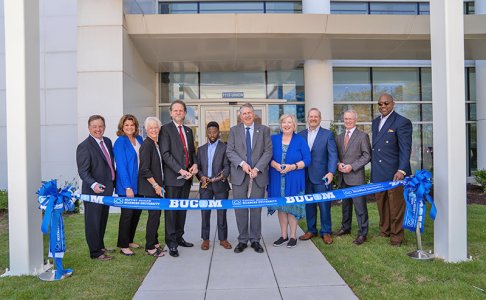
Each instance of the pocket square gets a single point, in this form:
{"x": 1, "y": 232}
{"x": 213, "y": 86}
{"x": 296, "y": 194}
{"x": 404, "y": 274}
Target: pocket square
{"x": 390, "y": 130}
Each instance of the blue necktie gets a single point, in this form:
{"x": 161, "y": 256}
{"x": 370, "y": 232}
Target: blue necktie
{"x": 248, "y": 147}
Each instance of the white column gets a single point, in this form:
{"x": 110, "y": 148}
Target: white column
{"x": 480, "y": 7}
{"x": 448, "y": 90}
{"x": 23, "y": 135}
{"x": 318, "y": 73}
{"x": 318, "y": 88}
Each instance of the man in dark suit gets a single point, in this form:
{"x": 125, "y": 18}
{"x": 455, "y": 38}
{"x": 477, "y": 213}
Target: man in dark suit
{"x": 390, "y": 160}
{"x": 176, "y": 142}
{"x": 94, "y": 157}
{"x": 249, "y": 151}
{"x": 354, "y": 151}
{"x": 213, "y": 170}
{"x": 319, "y": 174}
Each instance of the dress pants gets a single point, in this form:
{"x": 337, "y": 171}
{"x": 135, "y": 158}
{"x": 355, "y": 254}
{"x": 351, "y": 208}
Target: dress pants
{"x": 248, "y": 220}
{"x": 208, "y": 193}
{"x": 391, "y": 208}
{"x": 175, "y": 219}
{"x": 361, "y": 210}
{"x": 95, "y": 219}
{"x": 324, "y": 208}
{"x": 128, "y": 225}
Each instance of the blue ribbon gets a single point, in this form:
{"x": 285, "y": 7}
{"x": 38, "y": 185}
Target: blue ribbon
{"x": 55, "y": 201}
{"x": 199, "y": 204}
{"x": 416, "y": 192}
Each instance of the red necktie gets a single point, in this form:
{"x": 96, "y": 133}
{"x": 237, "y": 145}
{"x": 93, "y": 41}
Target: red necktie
{"x": 183, "y": 140}
{"x": 108, "y": 159}
{"x": 346, "y": 140}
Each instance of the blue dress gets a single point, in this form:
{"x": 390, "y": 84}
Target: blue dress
{"x": 297, "y": 210}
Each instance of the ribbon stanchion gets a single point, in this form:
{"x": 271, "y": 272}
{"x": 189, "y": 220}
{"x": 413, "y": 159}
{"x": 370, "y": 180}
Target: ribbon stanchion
{"x": 199, "y": 204}
{"x": 54, "y": 202}
{"x": 416, "y": 194}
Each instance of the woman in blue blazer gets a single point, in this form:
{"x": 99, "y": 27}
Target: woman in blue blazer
{"x": 291, "y": 155}
{"x": 126, "y": 151}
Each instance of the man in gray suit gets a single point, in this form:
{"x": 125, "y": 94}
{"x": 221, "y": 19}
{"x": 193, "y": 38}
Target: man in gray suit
{"x": 249, "y": 151}
{"x": 354, "y": 151}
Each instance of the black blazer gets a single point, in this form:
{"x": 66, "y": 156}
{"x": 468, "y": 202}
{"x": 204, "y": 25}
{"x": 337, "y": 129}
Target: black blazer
{"x": 173, "y": 152}
{"x": 93, "y": 166}
{"x": 150, "y": 166}
{"x": 220, "y": 163}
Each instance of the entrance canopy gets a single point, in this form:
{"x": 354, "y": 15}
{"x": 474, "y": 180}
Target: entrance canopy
{"x": 230, "y": 42}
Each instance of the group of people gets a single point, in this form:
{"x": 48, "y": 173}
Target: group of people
{"x": 254, "y": 162}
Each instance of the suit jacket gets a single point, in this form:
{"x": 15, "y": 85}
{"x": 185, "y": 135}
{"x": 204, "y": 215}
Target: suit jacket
{"x": 391, "y": 147}
{"x": 150, "y": 166}
{"x": 261, "y": 153}
{"x": 93, "y": 166}
{"x": 173, "y": 154}
{"x": 298, "y": 150}
{"x": 324, "y": 157}
{"x": 126, "y": 164}
{"x": 357, "y": 154}
{"x": 220, "y": 163}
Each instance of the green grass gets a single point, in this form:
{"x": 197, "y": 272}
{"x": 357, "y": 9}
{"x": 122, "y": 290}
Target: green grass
{"x": 3, "y": 200}
{"x": 375, "y": 270}
{"x": 92, "y": 279}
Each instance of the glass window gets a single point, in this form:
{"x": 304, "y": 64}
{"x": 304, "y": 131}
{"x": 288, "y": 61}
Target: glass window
{"x": 178, "y": 86}
{"x": 230, "y": 7}
{"x": 427, "y": 147}
{"x": 287, "y": 85}
{"x": 352, "y": 84}
{"x": 416, "y": 154}
{"x": 178, "y": 8}
{"x": 276, "y": 110}
{"x": 427, "y": 112}
{"x": 401, "y": 83}
{"x": 387, "y": 8}
{"x": 227, "y": 85}
{"x": 424, "y": 8}
{"x": 283, "y": 7}
{"x": 426, "y": 76}
{"x": 350, "y": 8}
{"x": 471, "y": 112}
{"x": 471, "y": 83}
{"x": 363, "y": 110}
{"x": 410, "y": 111}
{"x": 469, "y": 8}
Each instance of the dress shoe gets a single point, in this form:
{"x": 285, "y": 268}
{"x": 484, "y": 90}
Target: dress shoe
{"x": 359, "y": 240}
{"x": 342, "y": 232}
{"x": 327, "y": 239}
{"x": 183, "y": 243}
{"x": 225, "y": 244}
{"x": 257, "y": 247}
{"x": 104, "y": 257}
{"x": 240, "y": 247}
{"x": 205, "y": 245}
{"x": 306, "y": 236}
{"x": 173, "y": 252}
{"x": 105, "y": 250}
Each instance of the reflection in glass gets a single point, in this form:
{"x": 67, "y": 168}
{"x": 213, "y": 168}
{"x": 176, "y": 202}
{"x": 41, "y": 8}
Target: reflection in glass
{"x": 424, "y": 8}
{"x": 178, "y": 8}
{"x": 472, "y": 147}
{"x": 283, "y": 7}
{"x": 276, "y": 110}
{"x": 426, "y": 76}
{"x": 471, "y": 109}
{"x": 363, "y": 110}
{"x": 223, "y": 119}
{"x": 427, "y": 147}
{"x": 178, "y": 86}
{"x": 247, "y": 85}
{"x": 401, "y": 83}
{"x": 192, "y": 116}
{"x": 471, "y": 83}
{"x": 377, "y": 8}
{"x": 349, "y": 8}
{"x": 230, "y": 7}
{"x": 409, "y": 111}
{"x": 164, "y": 115}
{"x": 352, "y": 84}
{"x": 287, "y": 85}
{"x": 416, "y": 155}
{"x": 427, "y": 112}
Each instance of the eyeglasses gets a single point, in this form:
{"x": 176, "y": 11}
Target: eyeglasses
{"x": 383, "y": 103}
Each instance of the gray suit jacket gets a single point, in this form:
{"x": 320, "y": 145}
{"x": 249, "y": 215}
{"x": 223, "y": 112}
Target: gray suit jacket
{"x": 220, "y": 163}
{"x": 357, "y": 154}
{"x": 261, "y": 153}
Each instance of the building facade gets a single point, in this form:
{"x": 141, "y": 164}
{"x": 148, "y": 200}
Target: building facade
{"x": 115, "y": 57}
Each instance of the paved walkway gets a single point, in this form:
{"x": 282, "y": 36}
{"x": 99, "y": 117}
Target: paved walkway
{"x": 278, "y": 273}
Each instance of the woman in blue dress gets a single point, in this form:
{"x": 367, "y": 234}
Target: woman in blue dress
{"x": 291, "y": 155}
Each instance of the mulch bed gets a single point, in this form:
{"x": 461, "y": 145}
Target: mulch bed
{"x": 475, "y": 195}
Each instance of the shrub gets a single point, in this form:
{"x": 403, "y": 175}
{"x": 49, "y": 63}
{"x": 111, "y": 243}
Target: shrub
{"x": 3, "y": 200}
{"x": 480, "y": 176}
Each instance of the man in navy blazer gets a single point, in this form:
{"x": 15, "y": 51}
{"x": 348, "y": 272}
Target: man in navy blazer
{"x": 319, "y": 174}
{"x": 390, "y": 160}
{"x": 214, "y": 169}
{"x": 96, "y": 168}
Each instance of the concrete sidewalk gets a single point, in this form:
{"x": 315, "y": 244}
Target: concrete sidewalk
{"x": 278, "y": 273}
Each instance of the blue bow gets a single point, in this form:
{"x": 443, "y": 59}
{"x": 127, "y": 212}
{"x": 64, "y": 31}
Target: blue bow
{"x": 55, "y": 201}
{"x": 416, "y": 192}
